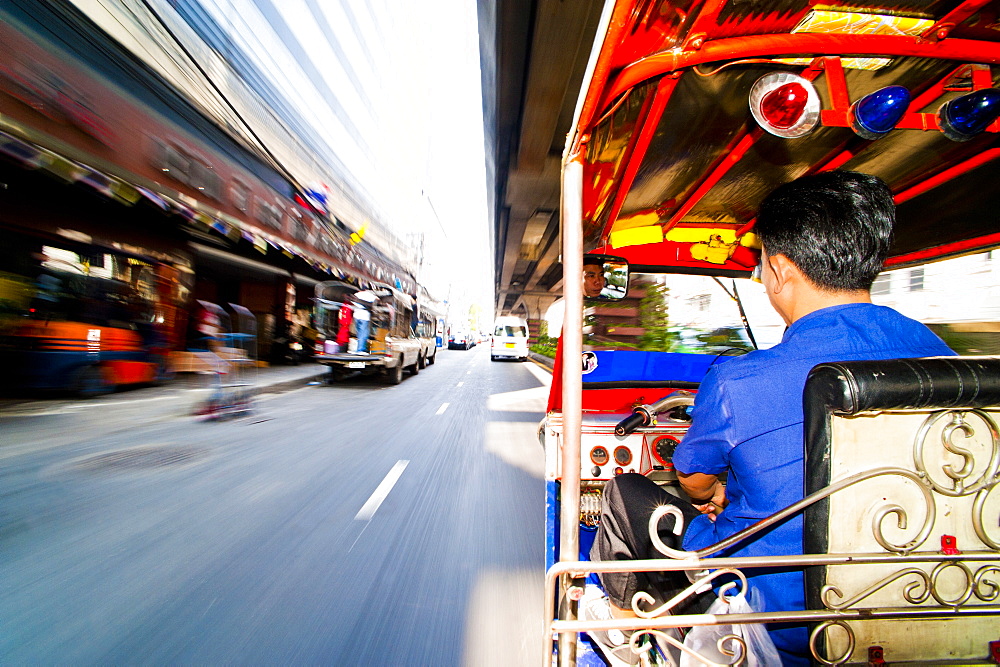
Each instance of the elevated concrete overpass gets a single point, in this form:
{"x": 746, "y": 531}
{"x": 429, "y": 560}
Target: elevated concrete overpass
{"x": 534, "y": 54}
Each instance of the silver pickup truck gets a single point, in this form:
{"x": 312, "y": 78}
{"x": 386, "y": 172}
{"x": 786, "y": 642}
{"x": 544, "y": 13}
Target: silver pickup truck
{"x": 392, "y": 345}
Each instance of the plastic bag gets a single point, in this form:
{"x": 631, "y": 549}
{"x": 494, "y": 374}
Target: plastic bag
{"x": 704, "y": 639}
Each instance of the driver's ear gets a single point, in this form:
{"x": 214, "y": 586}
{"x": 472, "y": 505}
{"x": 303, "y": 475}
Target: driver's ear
{"x": 783, "y": 271}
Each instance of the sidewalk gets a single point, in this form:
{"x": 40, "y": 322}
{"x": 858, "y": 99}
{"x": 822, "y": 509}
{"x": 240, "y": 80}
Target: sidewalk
{"x": 543, "y": 361}
{"x": 177, "y": 397}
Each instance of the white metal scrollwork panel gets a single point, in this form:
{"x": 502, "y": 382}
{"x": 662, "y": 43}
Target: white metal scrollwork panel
{"x": 951, "y": 504}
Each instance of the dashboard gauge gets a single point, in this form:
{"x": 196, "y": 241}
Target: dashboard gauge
{"x": 663, "y": 450}
{"x": 599, "y": 455}
{"x": 623, "y": 456}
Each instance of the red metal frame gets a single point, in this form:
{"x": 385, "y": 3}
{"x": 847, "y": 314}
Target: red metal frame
{"x": 925, "y": 185}
{"x": 838, "y": 94}
{"x": 947, "y": 175}
{"x": 840, "y": 113}
{"x": 974, "y": 55}
{"x": 707, "y": 17}
{"x": 678, "y": 254}
{"x": 648, "y": 119}
{"x": 619, "y": 19}
{"x": 944, "y": 251}
{"x": 729, "y": 159}
{"x": 943, "y": 28}
{"x": 837, "y": 116}
{"x": 785, "y": 45}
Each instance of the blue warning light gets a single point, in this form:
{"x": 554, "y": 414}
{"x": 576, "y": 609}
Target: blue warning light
{"x": 966, "y": 116}
{"x": 875, "y": 114}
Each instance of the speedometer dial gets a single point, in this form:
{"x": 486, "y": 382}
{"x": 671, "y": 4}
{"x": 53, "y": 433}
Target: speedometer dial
{"x": 663, "y": 450}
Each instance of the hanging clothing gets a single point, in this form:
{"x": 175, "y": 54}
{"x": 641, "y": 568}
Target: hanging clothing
{"x": 344, "y": 325}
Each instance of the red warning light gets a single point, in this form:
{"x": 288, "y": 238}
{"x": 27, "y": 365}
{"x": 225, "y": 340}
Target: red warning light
{"x": 785, "y": 104}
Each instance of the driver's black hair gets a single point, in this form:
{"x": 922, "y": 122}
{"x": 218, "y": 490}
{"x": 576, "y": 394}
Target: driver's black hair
{"x": 592, "y": 259}
{"x": 835, "y": 226}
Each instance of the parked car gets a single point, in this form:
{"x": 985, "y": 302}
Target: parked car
{"x": 460, "y": 340}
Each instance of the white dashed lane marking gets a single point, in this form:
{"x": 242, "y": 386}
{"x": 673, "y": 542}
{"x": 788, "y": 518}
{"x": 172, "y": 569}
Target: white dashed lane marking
{"x": 371, "y": 506}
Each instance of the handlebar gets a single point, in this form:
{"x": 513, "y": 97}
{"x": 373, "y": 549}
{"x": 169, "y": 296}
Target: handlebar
{"x": 632, "y": 422}
{"x": 644, "y": 415}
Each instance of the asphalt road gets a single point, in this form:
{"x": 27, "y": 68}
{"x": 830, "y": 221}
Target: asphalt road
{"x": 358, "y": 524}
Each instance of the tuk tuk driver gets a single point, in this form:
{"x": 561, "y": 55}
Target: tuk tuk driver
{"x": 825, "y": 238}
{"x": 593, "y": 277}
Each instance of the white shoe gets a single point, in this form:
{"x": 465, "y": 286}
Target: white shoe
{"x": 614, "y": 644}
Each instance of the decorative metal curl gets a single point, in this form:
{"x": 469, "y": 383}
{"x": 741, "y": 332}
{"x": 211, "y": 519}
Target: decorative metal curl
{"x": 678, "y": 529}
{"x": 901, "y": 522}
{"x": 738, "y": 643}
{"x": 643, "y": 598}
{"x": 793, "y": 509}
{"x": 908, "y": 590}
{"x": 822, "y": 627}
{"x": 958, "y": 477}
{"x": 737, "y": 649}
{"x": 978, "y": 505}
{"x": 985, "y": 589}
{"x": 927, "y": 585}
{"x": 967, "y": 590}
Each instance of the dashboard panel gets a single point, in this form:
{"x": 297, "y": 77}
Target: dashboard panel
{"x": 648, "y": 451}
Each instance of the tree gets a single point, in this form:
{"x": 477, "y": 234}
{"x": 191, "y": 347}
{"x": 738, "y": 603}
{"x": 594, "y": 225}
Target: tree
{"x": 473, "y": 324}
{"x": 654, "y": 317}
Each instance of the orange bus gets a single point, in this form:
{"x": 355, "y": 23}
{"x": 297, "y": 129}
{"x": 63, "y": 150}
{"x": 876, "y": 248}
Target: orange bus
{"x": 85, "y": 319}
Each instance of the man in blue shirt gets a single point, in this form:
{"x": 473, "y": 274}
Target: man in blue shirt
{"x": 825, "y": 239}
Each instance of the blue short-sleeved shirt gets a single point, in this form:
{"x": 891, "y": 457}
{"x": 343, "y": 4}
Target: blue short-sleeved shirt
{"x": 747, "y": 420}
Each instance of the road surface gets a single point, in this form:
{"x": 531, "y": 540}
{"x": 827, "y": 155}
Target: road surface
{"x": 358, "y": 524}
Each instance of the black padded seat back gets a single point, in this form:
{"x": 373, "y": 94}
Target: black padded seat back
{"x": 935, "y": 419}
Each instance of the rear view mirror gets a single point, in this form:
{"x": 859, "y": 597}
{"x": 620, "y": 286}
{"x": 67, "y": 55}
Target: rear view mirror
{"x": 605, "y": 278}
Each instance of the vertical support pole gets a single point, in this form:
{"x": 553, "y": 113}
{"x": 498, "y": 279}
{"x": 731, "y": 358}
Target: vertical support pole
{"x": 571, "y": 221}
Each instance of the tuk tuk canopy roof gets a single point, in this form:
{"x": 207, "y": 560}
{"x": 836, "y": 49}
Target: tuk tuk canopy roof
{"x": 675, "y": 163}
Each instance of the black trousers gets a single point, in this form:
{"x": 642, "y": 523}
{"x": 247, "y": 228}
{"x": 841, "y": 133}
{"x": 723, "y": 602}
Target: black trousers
{"x": 623, "y": 534}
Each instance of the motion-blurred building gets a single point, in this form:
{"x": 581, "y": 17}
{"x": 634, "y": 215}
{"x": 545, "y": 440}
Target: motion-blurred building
{"x": 958, "y": 298}
{"x": 141, "y": 146}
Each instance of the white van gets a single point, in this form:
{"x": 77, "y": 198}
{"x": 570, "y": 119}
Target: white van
{"x": 509, "y": 339}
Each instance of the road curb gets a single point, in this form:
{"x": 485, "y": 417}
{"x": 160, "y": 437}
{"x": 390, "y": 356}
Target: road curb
{"x": 542, "y": 360}
{"x": 287, "y": 385}
{"x": 200, "y": 405}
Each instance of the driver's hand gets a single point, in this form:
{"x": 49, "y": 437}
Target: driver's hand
{"x": 710, "y": 509}
{"x": 717, "y": 503}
